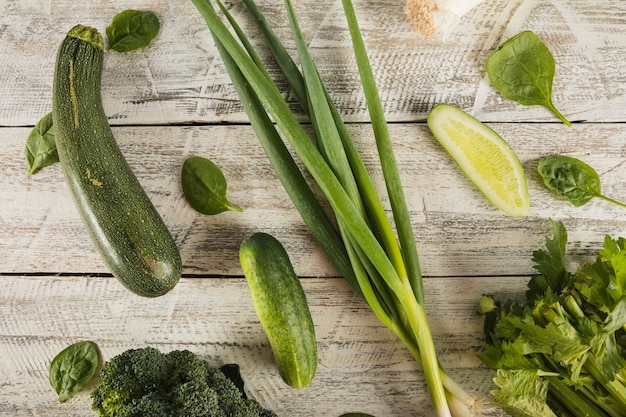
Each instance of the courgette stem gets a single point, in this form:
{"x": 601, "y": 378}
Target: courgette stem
{"x": 87, "y": 34}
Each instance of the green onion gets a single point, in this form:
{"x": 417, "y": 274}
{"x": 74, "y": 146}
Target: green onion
{"x": 361, "y": 242}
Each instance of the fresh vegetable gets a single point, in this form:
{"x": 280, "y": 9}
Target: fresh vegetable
{"x": 73, "y": 368}
{"x": 128, "y": 31}
{"x": 204, "y": 186}
{"x": 487, "y": 160}
{"x": 147, "y": 382}
{"x": 437, "y": 16}
{"x": 280, "y": 304}
{"x": 382, "y": 267}
{"x": 132, "y": 29}
{"x": 124, "y": 225}
{"x": 561, "y": 351}
{"x": 522, "y": 69}
{"x": 572, "y": 178}
{"x": 41, "y": 151}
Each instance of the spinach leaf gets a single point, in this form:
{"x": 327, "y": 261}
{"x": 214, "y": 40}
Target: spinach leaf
{"x": 73, "y": 368}
{"x": 204, "y": 186}
{"x": 232, "y": 371}
{"x": 522, "y": 69}
{"x": 571, "y": 178}
{"x": 41, "y": 149}
{"x": 132, "y": 29}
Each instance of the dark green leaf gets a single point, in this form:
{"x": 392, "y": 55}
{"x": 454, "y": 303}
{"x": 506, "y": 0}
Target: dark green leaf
{"x": 204, "y": 186}
{"x": 570, "y": 178}
{"x": 132, "y": 29}
{"x": 573, "y": 179}
{"x": 595, "y": 281}
{"x": 41, "y": 149}
{"x": 232, "y": 371}
{"x": 550, "y": 264}
{"x": 73, "y": 368}
{"x": 522, "y": 69}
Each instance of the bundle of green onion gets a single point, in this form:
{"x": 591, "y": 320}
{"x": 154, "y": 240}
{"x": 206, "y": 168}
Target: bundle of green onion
{"x": 382, "y": 267}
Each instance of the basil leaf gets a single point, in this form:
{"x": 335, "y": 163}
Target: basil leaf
{"x": 41, "y": 149}
{"x": 522, "y": 69}
{"x": 73, "y": 368}
{"x": 132, "y": 29}
{"x": 204, "y": 186}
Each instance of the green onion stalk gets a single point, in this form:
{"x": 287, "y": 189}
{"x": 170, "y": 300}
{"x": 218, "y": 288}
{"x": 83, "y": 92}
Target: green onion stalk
{"x": 381, "y": 264}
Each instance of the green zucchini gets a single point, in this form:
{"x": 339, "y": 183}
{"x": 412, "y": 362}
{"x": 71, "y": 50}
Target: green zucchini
{"x": 126, "y": 228}
{"x": 281, "y": 306}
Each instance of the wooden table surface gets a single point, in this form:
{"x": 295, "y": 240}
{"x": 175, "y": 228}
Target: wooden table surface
{"x": 173, "y": 100}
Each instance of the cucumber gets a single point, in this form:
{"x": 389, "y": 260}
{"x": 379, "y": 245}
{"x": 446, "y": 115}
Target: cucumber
{"x": 281, "y": 306}
{"x": 127, "y": 230}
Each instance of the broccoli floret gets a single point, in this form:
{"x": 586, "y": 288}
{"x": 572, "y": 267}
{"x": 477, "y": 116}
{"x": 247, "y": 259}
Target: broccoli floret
{"x": 148, "y": 383}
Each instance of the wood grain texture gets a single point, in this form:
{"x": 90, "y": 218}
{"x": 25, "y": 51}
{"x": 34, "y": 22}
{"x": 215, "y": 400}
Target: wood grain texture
{"x": 174, "y": 99}
{"x": 362, "y": 367}
{"x": 179, "y": 79}
{"x": 458, "y": 232}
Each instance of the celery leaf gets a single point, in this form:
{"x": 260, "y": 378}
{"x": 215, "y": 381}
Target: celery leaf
{"x": 550, "y": 264}
{"x": 522, "y": 393}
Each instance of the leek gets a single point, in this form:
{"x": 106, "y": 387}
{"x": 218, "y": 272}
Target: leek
{"x": 383, "y": 269}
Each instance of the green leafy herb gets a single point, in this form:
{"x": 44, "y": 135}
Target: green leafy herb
{"x": 41, "y": 149}
{"x": 572, "y": 178}
{"x": 561, "y": 351}
{"x": 522, "y": 69}
{"x": 132, "y": 29}
{"x": 73, "y": 368}
{"x": 204, "y": 186}
{"x": 360, "y": 240}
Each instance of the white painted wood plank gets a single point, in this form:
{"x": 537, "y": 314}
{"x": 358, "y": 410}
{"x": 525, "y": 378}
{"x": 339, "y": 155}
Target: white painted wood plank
{"x": 458, "y": 232}
{"x": 179, "y": 79}
{"x": 362, "y": 367}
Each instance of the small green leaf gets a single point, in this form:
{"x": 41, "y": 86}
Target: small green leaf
{"x": 550, "y": 263}
{"x": 204, "y": 186}
{"x": 132, "y": 29}
{"x": 232, "y": 371}
{"x": 571, "y": 178}
{"x": 73, "y": 368}
{"x": 522, "y": 69}
{"x": 486, "y": 304}
{"x": 41, "y": 149}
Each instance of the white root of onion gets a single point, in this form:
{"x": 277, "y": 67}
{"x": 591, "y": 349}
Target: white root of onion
{"x": 437, "y": 16}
